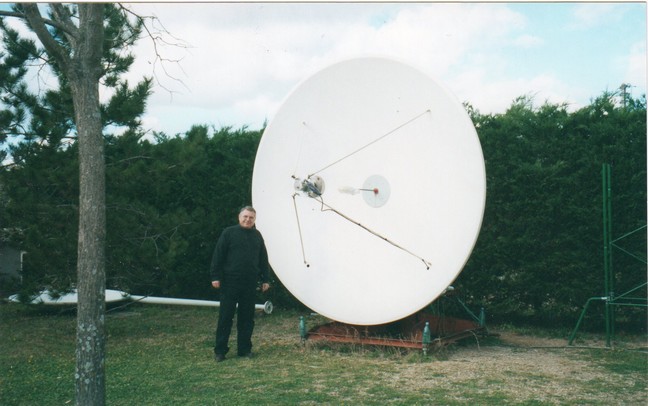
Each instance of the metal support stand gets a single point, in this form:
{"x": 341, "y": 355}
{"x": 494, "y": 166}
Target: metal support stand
{"x": 607, "y": 253}
{"x": 427, "y": 338}
{"x": 419, "y": 331}
{"x": 302, "y": 329}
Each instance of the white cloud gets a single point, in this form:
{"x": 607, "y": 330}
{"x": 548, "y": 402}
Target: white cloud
{"x": 588, "y": 15}
{"x": 496, "y": 96}
{"x": 245, "y": 58}
{"x": 435, "y": 37}
{"x": 636, "y": 69}
{"x": 236, "y": 62}
{"x": 527, "y": 41}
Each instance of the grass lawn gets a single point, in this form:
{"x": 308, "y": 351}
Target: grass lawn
{"x": 159, "y": 355}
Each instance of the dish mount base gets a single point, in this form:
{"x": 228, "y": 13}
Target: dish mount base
{"x": 405, "y": 333}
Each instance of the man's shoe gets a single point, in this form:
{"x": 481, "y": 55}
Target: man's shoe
{"x": 219, "y": 357}
{"x": 248, "y": 355}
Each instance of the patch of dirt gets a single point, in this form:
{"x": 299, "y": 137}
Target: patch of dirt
{"x": 520, "y": 340}
{"x": 548, "y": 377}
{"x": 528, "y": 369}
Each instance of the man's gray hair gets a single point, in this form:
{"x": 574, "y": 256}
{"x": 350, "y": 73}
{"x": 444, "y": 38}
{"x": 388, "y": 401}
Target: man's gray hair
{"x": 248, "y": 208}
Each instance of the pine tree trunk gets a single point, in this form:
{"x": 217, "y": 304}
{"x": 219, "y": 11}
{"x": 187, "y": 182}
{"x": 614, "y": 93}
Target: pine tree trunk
{"x": 91, "y": 283}
{"x": 91, "y": 280}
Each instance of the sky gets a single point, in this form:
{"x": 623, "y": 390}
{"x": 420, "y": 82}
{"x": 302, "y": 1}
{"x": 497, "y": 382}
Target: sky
{"x": 232, "y": 64}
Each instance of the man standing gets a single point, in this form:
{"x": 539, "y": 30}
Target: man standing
{"x": 239, "y": 261}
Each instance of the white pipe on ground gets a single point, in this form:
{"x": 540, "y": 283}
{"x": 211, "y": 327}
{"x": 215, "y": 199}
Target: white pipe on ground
{"x": 267, "y": 307}
{"x": 45, "y": 297}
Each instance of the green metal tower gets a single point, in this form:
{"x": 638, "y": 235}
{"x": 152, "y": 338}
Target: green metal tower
{"x": 611, "y": 299}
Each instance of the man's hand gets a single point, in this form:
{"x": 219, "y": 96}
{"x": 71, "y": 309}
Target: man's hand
{"x": 216, "y": 284}
{"x": 265, "y": 287}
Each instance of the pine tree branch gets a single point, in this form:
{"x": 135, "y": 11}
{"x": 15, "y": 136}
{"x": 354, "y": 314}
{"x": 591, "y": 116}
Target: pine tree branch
{"x": 17, "y": 14}
{"x": 63, "y": 18}
{"x": 38, "y": 25}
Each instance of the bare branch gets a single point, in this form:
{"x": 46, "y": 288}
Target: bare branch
{"x": 4, "y": 13}
{"x": 128, "y": 160}
{"x": 157, "y": 39}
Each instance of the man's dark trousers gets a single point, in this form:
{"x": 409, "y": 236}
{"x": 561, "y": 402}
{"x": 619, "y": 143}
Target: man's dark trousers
{"x": 232, "y": 294}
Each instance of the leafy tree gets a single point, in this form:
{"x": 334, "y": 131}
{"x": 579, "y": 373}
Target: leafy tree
{"x": 168, "y": 203}
{"x": 539, "y": 254}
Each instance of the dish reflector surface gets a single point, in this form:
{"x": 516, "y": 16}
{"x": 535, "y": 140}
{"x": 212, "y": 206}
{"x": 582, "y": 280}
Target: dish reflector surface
{"x": 404, "y": 190}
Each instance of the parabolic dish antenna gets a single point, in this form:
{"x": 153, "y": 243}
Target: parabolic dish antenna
{"x": 370, "y": 186}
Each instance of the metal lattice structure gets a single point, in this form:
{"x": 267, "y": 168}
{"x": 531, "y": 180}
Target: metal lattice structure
{"x": 611, "y": 300}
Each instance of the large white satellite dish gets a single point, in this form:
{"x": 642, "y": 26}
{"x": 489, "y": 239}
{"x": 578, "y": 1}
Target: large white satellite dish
{"x": 370, "y": 186}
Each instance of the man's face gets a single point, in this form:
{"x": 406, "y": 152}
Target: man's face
{"x": 247, "y": 218}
